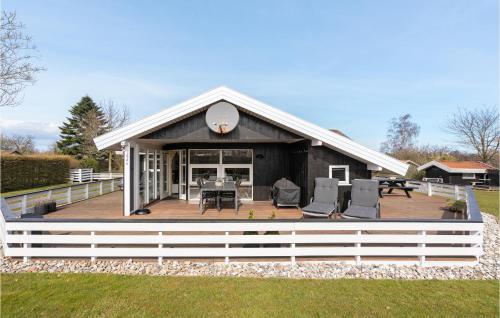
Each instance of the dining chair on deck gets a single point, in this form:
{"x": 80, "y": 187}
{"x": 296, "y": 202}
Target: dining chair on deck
{"x": 234, "y": 195}
{"x": 205, "y": 196}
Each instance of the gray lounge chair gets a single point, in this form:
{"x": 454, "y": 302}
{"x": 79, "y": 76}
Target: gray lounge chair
{"x": 324, "y": 202}
{"x": 364, "y": 202}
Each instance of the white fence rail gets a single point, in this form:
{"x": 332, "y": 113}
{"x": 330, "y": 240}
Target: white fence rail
{"x": 445, "y": 190}
{"x": 87, "y": 175}
{"x": 24, "y": 203}
{"x": 423, "y": 242}
{"x": 364, "y": 242}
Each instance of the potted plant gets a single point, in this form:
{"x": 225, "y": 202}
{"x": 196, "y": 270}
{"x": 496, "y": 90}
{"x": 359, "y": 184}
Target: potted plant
{"x": 250, "y": 217}
{"x": 457, "y": 206}
{"x": 272, "y": 217}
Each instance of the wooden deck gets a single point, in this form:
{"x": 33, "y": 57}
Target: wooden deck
{"x": 109, "y": 206}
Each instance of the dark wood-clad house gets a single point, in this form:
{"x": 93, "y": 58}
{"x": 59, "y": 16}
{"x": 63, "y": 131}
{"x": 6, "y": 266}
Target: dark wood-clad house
{"x": 225, "y": 133}
{"x": 461, "y": 172}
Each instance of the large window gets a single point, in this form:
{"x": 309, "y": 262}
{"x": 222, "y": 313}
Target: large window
{"x": 230, "y": 164}
{"x": 340, "y": 172}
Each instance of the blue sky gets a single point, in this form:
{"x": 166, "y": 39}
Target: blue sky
{"x": 350, "y": 65}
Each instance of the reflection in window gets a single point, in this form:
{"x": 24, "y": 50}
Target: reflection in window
{"x": 204, "y": 173}
{"x": 243, "y": 156}
{"x": 204, "y": 156}
{"x": 242, "y": 174}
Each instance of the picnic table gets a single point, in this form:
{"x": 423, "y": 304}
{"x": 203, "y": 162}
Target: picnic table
{"x": 227, "y": 187}
{"x": 391, "y": 184}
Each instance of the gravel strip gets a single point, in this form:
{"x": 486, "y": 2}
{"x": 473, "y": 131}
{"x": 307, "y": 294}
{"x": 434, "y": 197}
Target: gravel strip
{"x": 489, "y": 267}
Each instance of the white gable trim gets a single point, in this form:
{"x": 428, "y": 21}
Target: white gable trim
{"x": 276, "y": 116}
{"x": 448, "y": 169}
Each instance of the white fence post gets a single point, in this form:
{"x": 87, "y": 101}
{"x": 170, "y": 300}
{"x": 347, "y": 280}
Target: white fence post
{"x": 86, "y": 191}
{"x": 429, "y": 189}
{"x": 92, "y": 246}
{"x": 68, "y": 194}
{"x": 26, "y": 246}
{"x": 160, "y": 246}
{"x": 292, "y": 247}
{"x": 112, "y": 185}
{"x": 422, "y": 245}
{"x": 457, "y": 193}
{"x": 100, "y": 187}
{"x": 24, "y": 203}
{"x": 49, "y": 194}
{"x": 226, "y": 259}
{"x": 358, "y": 245}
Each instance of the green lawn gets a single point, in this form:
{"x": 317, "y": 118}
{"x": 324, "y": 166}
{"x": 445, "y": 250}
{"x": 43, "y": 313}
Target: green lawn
{"x": 488, "y": 201}
{"x": 55, "y": 186}
{"x": 99, "y": 295}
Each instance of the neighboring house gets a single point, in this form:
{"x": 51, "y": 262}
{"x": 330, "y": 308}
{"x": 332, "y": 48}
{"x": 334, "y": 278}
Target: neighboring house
{"x": 223, "y": 133}
{"x": 461, "y": 172}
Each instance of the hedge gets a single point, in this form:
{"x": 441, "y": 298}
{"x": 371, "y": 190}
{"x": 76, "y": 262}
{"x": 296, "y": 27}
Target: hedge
{"x": 30, "y": 171}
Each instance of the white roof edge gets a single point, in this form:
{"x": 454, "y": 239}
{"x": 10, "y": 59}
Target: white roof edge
{"x": 303, "y": 127}
{"x": 448, "y": 169}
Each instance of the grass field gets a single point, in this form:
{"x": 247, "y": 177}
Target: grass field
{"x": 91, "y": 295}
{"x": 54, "y": 186}
{"x": 488, "y": 201}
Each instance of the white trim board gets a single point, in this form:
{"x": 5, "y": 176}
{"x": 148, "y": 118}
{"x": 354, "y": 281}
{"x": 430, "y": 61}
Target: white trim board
{"x": 299, "y": 126}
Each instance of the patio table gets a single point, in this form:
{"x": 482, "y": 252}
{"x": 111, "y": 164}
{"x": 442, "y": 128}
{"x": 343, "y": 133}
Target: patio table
{"x": 392, "y": 184}
{"x": 227, "y": 186}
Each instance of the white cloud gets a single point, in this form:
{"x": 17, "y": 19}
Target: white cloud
{"x": 44, "y": 133}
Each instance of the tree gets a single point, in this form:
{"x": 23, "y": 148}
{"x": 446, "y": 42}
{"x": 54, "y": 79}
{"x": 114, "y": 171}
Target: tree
{"x": 22, "y": 144}
{"x": 116, "y": 117}
{"x": 401, "y": 134}
{"x": 86, "y": 122}
{"x": 477, "y": 129}
{"x": 17, "y": 69}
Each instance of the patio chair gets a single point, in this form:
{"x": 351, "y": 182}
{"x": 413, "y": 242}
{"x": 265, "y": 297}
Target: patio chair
{"x": 231, "y": 194}
{"x": 324, "y": 201}
{"x": 205, "y": 196}
{"x": 364, "y": 203}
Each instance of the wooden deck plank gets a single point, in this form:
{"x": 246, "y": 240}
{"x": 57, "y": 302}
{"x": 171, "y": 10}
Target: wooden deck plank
{"x": 109, "y": 206}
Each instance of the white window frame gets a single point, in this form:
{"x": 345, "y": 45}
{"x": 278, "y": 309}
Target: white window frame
{"x": 469, "y": 176}
{"x": 220, "y": 169}
{"x": 346, "y": 169}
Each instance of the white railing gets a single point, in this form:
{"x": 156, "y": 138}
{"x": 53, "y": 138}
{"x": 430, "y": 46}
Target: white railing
{"x": 24, "y": 203}
{"x": 445, "y": 190}
{"x": 87, "y": 175}
{"x": 422, "y": 242}
{"x": 80, "y": 175}
{"x": 364, "y": 242}
{"x": 106, "y": 175}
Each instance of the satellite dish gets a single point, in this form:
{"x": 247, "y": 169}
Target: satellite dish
{"x": 222, "y": 117}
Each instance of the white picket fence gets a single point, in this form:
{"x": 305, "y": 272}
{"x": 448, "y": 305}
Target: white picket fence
{"x": 87, "y": 175}
{"x": 423, "y": 242}
{"x": 24, "y": 203}
{"x": 445, "y": 190}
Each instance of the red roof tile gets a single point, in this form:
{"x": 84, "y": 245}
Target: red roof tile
{"x": 467, "y": 165}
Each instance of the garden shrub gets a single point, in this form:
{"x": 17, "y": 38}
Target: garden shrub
{"x": 90, "y": 163}
{"x": 30, "y": 171}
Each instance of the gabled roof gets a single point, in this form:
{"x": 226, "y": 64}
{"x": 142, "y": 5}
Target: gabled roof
{"x": 275, "y": 116}
{"x": 459, "y": 166}
{"x": 410, "y": 162}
